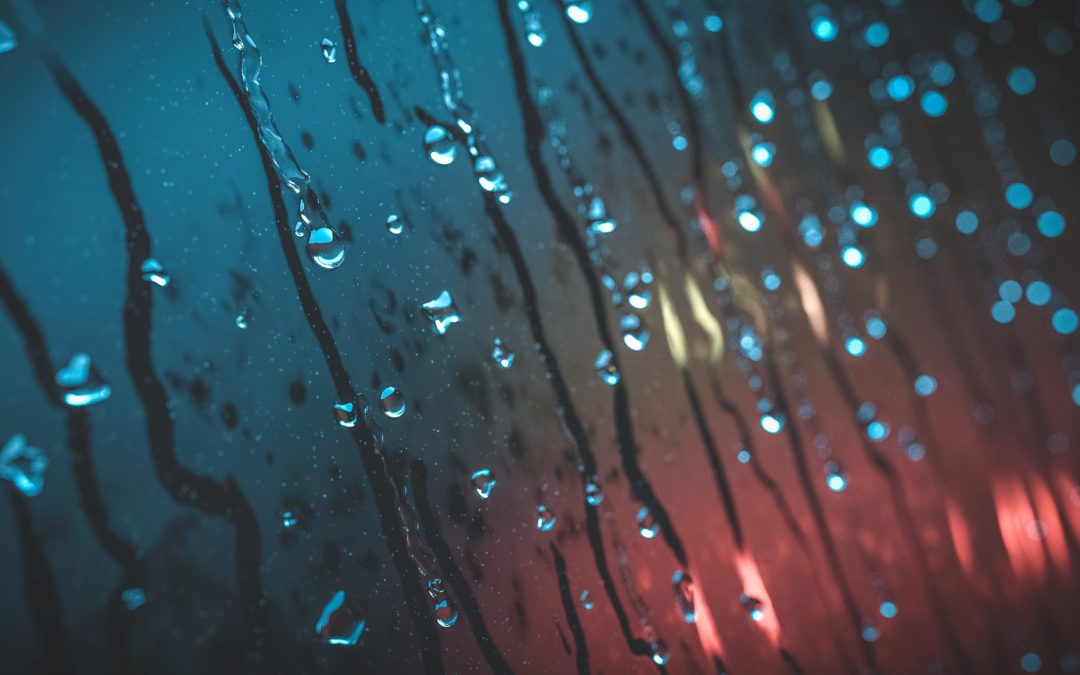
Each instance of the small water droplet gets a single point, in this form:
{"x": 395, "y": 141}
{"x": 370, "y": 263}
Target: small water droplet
{"x": 242, "y": 320}
{"x": 442, "y": 312}
{"x": 289, "y": 519}
{"x": 599, "y": 221}
{"x": 545, "y": 519}
{"x": 647, "y": 525}
{"x": 593, "y": 494}
{"x": 23, "y": 465}
{"x": 345, "y": 414}
{"x": 637, "y": 290}
{"x": 394, "y": 224}
{"x": 606, "y": 368}
{"x": 329, "y": 50}
{"x": 326, "y": 248}
{"x": 340, "y": 623}
{"x": 80, "y": 383}
{"x": 483, "y": 481}
{"x": 635, "y": 331}
{"x": 660, "y": 652}
{"x": 503, "y": 355}
{"x": 154, "y": 272}
{"x": 578, "y": 11}
{"x": 586, "y": 600}
{"x": 133, "y": 598}
{"x": 754, "y": 607}
{"x": 393, "y": 402}
{"x": 684, "y": 595}
{"x": 7, "y": 38}
{"x": 439, "y": 145}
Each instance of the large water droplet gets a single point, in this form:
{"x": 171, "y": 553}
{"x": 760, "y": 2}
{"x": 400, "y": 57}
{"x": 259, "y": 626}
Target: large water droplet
{"x": 483, "y": 482}
{"x": 503, "y": 355}
{"x": 647, "y": 525}
{"x": 545, "y": 519}
{"x": 635, "y": 331}
{"x": 439, "y": 145}
{"x": 23, "y": 465}
{"x": 637, "y": 290}
{"x": 599, "y": 222}
{"x": 442, "y": 312}
{"x": 80, "y": 383}
{"x": 329, "y": 50}
{"x": 7, "y": 38}
{"x": 340, "y": 623}
{"x": 345, "y": 414}
{"x": 684, "y": 595}
{"x": 392, "y": 401}
{"x": 154, "y": 272}
{"x": 326, "y": 248}
{"x": 606, "y": 368}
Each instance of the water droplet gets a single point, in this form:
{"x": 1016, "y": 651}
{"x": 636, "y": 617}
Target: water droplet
{"x": 754, "y": 607}
{"x": 345, "y": 414}
{"x": 578, "y": 11}
{"x": 835, "y": 478}
{"x": 242, "y": 320}
{"x": 393, "y": 402}
{"x": 329, "y": 50}
{"x": 23, "y": 465}
{"x": 594, "y": 496}
{"x": 684, "y": 595}
{"x": 586, "y": 600}
{"x": 660, "y": 653}
{"x": 439, "y": 145}
{"x": 635, "y": 332}
{"x": 442, "y": 312}
{"x": 772, "y": 422}
{"x": 599, "y": 222}
{"x": 637, "y": 290}
{"x": 647, "y": 525}
{"x": 326, "y": 248}
{"x": 289, "y": 519}
{"x": 80, "y": 383}
{"x": 394, "y": 224}
{"x": 888, "y": 609}
{"x": 490, "y": 178}
{"x": 870, "y": 632}
{"x": 483, "y": 482}
{"x": 133, "y": 598}
{"x": 340, "y": 623}
{"x": 7, "y": 38}
{"x": 445, "y": 613}
{"x": 606, "y": 368}
{"x": 503, "y": 355}
{"x": 545, "y": 519}
{"x": 154, "y": 272}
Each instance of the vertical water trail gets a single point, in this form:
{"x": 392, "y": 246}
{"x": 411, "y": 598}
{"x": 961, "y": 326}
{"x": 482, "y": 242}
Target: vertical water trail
{"x": 223, "y": 500}
{"x": 325, "y": 245}
{"x": 413, "y": 572}
{"x": 359, "y": 73}
{"x": 626, "y": 132}
{"x": 567, "y": 230}
{"x": 433, "y": 533}
{"x": 581, "y": 648}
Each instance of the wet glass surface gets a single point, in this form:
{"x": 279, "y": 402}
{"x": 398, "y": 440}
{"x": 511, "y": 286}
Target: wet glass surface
{"x": 539, "y": 336}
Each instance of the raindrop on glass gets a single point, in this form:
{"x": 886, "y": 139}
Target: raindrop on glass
{"x": 329, "y": 50}
{"x": 154, "y": 272}
{"x": 23, "y": 465}
{"x": 392, "y": 401}
{"x": 483, "y": 482}
{"x": 502, "y": 355}
{"x": 80, "y": 384}
{"x": 684, "y": 595}
{"x": 545, "y": 519}
{"x": 442, "y": 312}
{"x": 326, "y": 248}
{"x": 439, "y": 145}
{"x": 606, "y": 368}
{"x": 340, "y": 623}
{"x": 647, "y": 525}
{"x": 345, "y": 414}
